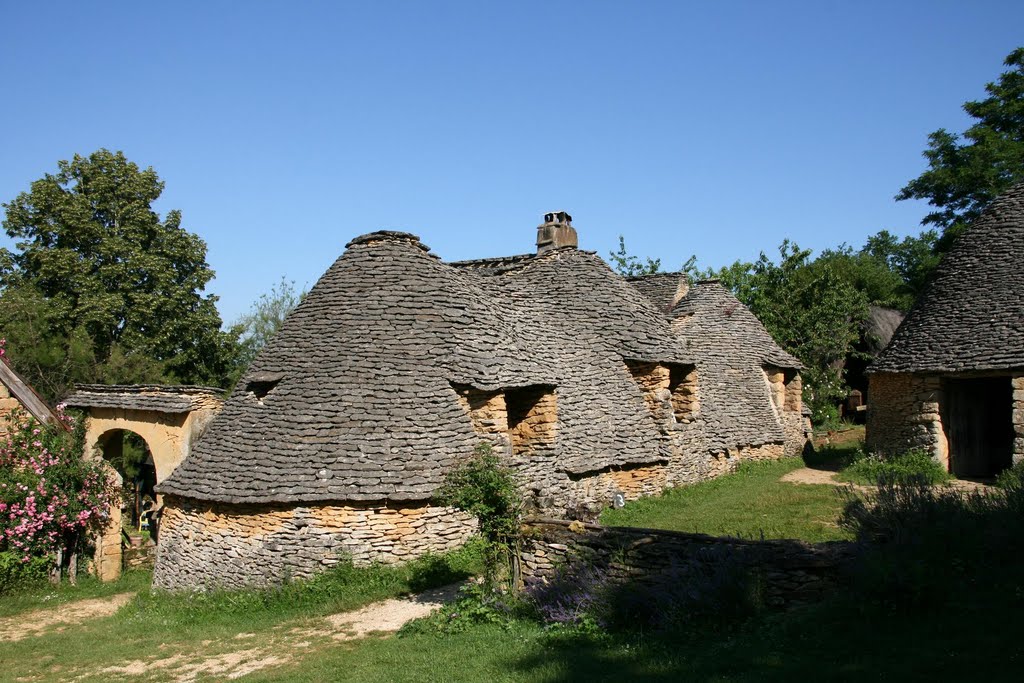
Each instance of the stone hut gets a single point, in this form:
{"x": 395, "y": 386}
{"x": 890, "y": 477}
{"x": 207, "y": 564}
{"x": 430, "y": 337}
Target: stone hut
{"x": 951, "y": 381}
{"x": 397, "y": 365}
{"x": 738, "y": 364}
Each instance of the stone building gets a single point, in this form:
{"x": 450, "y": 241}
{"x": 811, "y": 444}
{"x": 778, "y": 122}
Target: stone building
{"x": 952, "y": 379}
{"x": 397, "y": 365}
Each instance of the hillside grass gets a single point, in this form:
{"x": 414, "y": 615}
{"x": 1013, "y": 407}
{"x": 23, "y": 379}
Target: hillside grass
{"x": 749, "y": 503}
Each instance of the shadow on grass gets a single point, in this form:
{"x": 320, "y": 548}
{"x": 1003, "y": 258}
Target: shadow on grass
{"x": 933, "y": 595}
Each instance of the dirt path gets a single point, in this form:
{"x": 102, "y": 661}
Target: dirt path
{"x": 808, "y": 475}
{"x": 241, "y": 655}
{"x": 58, "y": 618}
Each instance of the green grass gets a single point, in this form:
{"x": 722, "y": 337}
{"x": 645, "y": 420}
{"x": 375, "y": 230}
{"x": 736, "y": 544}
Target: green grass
{"x": 43, "y": 595}
{"x": 970, "y": 630}
{"x": 160, "y": 624}
{"x": 749, "y": 503}
{"x": 912, "y": 465}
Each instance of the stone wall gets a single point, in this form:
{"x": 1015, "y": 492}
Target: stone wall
{"x": 904, "y": 413}
{"x": 217, "y": 545}
{"x": 792, "y": 572}
{"x": 1018, "y": 419}
{"x": 8, "y": 404}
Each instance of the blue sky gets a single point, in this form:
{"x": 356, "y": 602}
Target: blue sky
{"x": 282, "y": 130}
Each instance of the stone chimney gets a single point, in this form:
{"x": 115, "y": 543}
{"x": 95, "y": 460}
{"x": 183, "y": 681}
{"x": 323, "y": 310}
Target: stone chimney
{"x": 682, "y": 289}
{"x": 556, "y": 231}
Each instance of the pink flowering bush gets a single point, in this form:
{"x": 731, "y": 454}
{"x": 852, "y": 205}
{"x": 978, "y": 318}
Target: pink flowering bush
{"x": 51, "y": 497}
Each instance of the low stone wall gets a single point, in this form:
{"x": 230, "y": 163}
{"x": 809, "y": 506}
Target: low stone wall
{"x": 793, "y": 572}
{"x": 230, "y": 546}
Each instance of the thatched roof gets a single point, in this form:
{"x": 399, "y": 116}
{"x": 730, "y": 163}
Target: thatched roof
{"x": 353, "y": 398}
{"x": 971, "y": 315}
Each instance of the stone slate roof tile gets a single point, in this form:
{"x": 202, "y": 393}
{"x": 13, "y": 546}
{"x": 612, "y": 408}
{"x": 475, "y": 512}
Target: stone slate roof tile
{"x": 971, "y": 314}
{"x": 731, "y": 347}
{"x": 156, "y": 397}
{"x": 354, "y": 398}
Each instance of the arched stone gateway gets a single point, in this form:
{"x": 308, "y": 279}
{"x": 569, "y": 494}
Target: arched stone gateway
{"x": 168, "y": 418}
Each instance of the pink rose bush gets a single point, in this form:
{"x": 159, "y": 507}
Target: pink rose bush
{"x": 51, "y": 497}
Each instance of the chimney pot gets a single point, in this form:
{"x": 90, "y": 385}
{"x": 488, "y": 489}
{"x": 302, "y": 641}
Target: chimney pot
{"x": 556, "y": 232}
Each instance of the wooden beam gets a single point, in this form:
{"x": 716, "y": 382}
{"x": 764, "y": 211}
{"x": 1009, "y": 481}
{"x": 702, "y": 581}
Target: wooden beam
{"x": 27, "y": 396}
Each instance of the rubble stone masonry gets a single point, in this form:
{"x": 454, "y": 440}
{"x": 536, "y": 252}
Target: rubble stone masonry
{"x": 206, "y": 545}
{"x": 904, "y": 414}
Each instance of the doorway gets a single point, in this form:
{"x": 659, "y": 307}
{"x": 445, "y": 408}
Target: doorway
{"x": 978, "y": 417}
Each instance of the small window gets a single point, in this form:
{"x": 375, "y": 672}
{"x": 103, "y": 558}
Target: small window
{"x": 532, "y": 417}
{"x": 262, "y": 383}
{"x": 682, "y": 383}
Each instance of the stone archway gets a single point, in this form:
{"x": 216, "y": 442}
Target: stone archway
{"x": 168, "y": 418}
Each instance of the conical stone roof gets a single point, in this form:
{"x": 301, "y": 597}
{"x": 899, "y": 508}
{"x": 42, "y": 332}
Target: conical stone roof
{"x": 730, "y": 347}
{"x": 971, "y": 315}
{"x": 353, "y": 399}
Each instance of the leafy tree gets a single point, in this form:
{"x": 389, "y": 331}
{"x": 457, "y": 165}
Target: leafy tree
{"x": 965, "y": 174}
{"x": 628, "y": 265}
{"x": 812, "y": 308}
{"x": 94, "y": 262}
{"x": 264, "y": 319}
{"x": 913, "y": 259}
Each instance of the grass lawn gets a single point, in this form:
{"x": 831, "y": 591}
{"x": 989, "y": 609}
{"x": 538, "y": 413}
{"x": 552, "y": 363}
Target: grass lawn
{"x": 967, "y": 631}
{"x": 750, "y": 503}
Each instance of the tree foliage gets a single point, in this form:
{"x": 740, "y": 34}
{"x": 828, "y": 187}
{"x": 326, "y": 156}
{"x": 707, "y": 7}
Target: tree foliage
{"x": 965, "y": 173}
{"x": 628, "y": 265}
{"x": 812, "y": 308}
{"x": 100, "y": 288}
{"x": 264, "y": 319}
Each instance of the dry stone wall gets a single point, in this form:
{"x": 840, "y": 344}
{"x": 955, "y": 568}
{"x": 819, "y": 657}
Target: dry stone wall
{"x": 8, "y": 404}
{"x": 793, "y": 572}
{"x": 1018, "y": 419}
{"x": 204, "y": 545}
{"x": 904, "y": 413}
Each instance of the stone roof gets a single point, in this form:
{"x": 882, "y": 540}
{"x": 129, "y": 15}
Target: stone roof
{"x": 353, "y": 398}
{"x": 664, "y": 289}
{"x": 971, "y": 314}
{"x": 731, "y": 347}
{"x": 159, "y": 398}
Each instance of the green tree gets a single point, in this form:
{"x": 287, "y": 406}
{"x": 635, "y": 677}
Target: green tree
{"x": 812, "y": 308}
{"x": 965, "y": 173}
{"x": 264, "y": 319}
{"x": 628, "y": 265}
{"x": 913, "y": 259}
{"x": 94, "y": 261}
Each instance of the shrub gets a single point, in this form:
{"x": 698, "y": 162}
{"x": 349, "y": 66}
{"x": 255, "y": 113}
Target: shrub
{"x": 909, "y": 467}
{"x": 486, "y": 489}
{"x": 15, "y": 572}
{"x": 51, "y": 497}
{"x": 919, "y": 542}
{"x": 1012, "y": 478}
